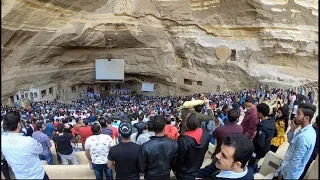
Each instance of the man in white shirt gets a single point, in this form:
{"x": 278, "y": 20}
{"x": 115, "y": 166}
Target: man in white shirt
{"x": 97, "y": 149}
{"x": 20, "y": 151}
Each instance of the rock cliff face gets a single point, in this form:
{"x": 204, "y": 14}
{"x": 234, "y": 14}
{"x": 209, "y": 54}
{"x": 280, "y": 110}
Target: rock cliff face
{"x": 226, "y": 44}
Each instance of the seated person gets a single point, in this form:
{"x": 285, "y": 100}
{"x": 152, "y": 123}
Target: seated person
{"x": 230, "y": 162}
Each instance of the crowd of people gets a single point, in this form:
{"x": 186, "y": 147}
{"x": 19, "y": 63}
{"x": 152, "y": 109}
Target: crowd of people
{"x": 93, "y": 95}
{"x": 120, "y": 91}
{"x": 135, "y": 134}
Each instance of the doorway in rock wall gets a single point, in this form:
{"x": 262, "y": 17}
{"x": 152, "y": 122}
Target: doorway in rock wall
{"x": 31, "y": 96}
{"x": 11, "y": 99}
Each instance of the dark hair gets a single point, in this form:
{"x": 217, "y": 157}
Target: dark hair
{"x": 95, "y": 128}
{"x": 85, "y": 122}
{"x": 264, "y": 109}
{"x": 103, "y": 122}
{"x": 243, "y": 148}
{"x": 317, "y": 121}
{"x": 192, "y": 121}
{"x": 39, "y": 125}
{"x": 285, "y": 115}
{"x": 233, "y": 115}
{"x": 109, "y": 121}
{"x": 168, "y": 120}
{"x": 60, "y": 127}
{"x": 150, "y": 126}
{"x": 11, "y": 121}
{"x": 158, "y": 124}
{"x": 224, "y": 107}
{"x": 63, "y": 121}
{"x": 140, "y": 118}
{"x": 308, "y": 109}
{"x": 198, "y": 108}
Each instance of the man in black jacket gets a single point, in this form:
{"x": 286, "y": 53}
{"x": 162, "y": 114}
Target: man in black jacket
{"x": 266, "y": 129}
{"x": 192, "y": 146}
{"x": 230, "y": 162}
{"x": 157, "y": 156}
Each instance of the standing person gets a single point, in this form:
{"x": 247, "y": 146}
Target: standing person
{"x": 170, "y": 130}
{"x": 124, "y": 157}
{"x": 301, "y": 144}
{"x": 147, "y": 134}
{"x": 23, "y": 156}
{"x": 45, "y": 142}
{"x": 281, "y": 121}
{"x": 196, "y": 106}
{"x": 315, "y": 149}
{"x": 104, "y": 129}
{"x": 262, "y": 141}
{"x": 64, "y": 147}
{"x": 91, "y": 118}
{"x": 213, "y": 125}
{"x": 49, "y": 129}
{"x": 157, "y": 156}
{"x": 29, "y": 129}
{"x": 224, "y": 114}
{"x": 115, "y": 133}
{"x": 250, "y": 120}
{"x": 97, "y": 149}
{"x": 294, "y": 110}
{"x": 230, "y": 162}
{"x": 85, "y": 132}
{"x": 192, "y": 146}
{"x": 140, "y": 125}
{"x": 227, "y": 130}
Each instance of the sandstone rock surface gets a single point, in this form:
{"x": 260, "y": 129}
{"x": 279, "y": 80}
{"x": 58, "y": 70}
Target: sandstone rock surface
{"x": 164, "y": 41}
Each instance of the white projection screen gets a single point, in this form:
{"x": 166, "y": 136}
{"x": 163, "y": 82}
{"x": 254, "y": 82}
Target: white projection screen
{"x": 112, "y": 69}
{"x": 149, "y": 87}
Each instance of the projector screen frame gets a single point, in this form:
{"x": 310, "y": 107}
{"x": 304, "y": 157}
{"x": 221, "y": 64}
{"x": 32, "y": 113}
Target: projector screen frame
{"x": 145, "y": 87}
{"x": 103, "y": 66}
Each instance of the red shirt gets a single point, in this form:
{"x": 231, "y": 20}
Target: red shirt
{"x": 55, "y": 124}
{"x": 172, "y": 132}
{"x": 84, "y": 133}
{"x": 249, "y": 122}
{"x": 115, "y": 132}
{"x": 74, "y": 132}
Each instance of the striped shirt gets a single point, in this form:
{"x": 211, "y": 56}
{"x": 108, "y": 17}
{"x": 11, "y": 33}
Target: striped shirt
{"x": 21, "y": 152}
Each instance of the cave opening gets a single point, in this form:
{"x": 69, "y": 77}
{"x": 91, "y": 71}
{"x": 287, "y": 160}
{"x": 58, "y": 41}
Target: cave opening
{"x": 233, "y": 55}
{"x": 187, "y": 82}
